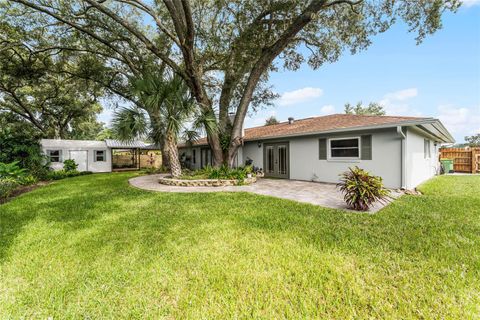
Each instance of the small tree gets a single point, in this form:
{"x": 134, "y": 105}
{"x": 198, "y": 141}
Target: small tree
{"x": 271, "y": 121}
{"x": 373, "y": 109}
{"x": 473, "y": 141}
{"x": 168, "y": 104}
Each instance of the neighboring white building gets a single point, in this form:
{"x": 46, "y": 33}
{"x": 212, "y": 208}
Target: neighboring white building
{"x": 90, "y": 155}
{"x": 402, "y": 150}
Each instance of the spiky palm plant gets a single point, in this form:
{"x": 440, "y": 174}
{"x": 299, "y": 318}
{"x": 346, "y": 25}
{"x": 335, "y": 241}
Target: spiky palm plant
{"x": 361, "y": 189}
{"x": 166, "y": 107}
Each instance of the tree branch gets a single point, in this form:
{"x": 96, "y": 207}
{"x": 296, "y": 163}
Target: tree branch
{"x": 266, "y": 59}
{"x": 140, "y": 36}
{"x": 148, "y": 10}
{"x": 79, "y": 28}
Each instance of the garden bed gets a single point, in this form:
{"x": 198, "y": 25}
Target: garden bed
{"x": 168, "y": 180}
{"x": 23, "y": 189}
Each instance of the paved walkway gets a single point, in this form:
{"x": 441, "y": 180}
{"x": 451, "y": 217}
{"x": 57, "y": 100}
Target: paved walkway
{"x": 322, "y": 194}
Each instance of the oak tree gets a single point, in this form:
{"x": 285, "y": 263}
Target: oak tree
{"x": 225, "y": 50}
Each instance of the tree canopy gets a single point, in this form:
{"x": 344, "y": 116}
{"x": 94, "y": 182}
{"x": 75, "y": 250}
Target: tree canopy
{"x": 224, "y": 50}
{"x": 373, "y": 109}
{"x": 271, "y": 120}
{"x": 473, "y": 141}
{"x": 37, "y": 87}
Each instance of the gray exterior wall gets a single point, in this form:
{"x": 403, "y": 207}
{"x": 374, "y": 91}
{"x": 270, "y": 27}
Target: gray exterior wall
{"x": 386, "y": 157}
{"x": 305, "y": 163}
{"x": 194, "y": 165}
{"x": 418, "y": 167}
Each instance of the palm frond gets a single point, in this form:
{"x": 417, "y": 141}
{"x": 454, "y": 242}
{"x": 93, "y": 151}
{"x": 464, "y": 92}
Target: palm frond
{"x": 205, "y": 121}
{"x": 130, "y": 123}
{"x": 190, "y": 137}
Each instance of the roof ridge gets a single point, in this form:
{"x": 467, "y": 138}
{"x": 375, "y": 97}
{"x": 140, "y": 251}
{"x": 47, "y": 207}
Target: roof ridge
{"x": 338, "y": 114}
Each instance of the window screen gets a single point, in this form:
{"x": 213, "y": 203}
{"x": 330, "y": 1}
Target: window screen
{"x": 100, "y": 155}
{"x": 55, "y": 155}
{"x": 344, "y": 148}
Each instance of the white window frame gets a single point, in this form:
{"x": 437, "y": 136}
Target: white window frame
{"x": 104, "y": 156}
{"x": 60, "y": 155}
{"x": 329, "y": 149}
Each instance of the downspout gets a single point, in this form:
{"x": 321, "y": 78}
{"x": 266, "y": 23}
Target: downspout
{"x": 403, "y": 155}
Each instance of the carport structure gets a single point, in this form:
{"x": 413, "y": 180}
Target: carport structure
{"x": 129, "y": 155}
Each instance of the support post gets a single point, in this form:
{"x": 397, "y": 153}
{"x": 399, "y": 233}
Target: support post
{"x": 474, "y": 160}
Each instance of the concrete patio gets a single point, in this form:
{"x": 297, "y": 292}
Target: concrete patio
{"x": 321, "y": 194}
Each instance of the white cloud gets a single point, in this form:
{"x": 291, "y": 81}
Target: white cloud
{"x": 460, "y": 122}
{"x": 396, "y": 103}
{"x": 328, "y": 109}
{"x": 402, "y": 95}
{"x": 298, "y": 96}
{"x": 469, "y": 3}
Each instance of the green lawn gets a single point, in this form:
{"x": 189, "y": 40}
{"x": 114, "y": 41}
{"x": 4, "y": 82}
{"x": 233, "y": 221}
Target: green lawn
{"x": 93, "y": 247}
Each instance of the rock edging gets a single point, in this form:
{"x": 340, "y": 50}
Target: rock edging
{"x": 169, "y": 181}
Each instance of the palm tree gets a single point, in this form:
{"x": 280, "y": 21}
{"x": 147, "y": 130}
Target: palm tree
{"x": 168, "y": 105}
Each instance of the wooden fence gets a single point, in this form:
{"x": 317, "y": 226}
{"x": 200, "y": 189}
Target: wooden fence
{"x": 464, "y": 160}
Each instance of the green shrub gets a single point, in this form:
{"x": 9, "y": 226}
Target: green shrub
{"x": 62, "y": 174}
{"x": 69, "y": 165}
{"x": 361, "y": 189}
{"x": 28, "y": 180}
{"x": 7, "y": 186}
{"x": 223, "y": 172}
{"x": 12, "y": 170}
{"x": 23, "y": 146}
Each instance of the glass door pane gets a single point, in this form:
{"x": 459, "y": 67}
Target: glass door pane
{"x": 282, "y": 159}
{"x": 270, "y": 159}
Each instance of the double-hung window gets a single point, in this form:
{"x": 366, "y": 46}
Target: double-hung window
{"x": 344, "y": 148}
{"x": 100, "y": 155}
{"x": 54, "y": 155}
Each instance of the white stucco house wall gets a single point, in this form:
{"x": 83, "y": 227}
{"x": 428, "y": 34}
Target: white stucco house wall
{"x": 89, "y": 155}
{"x": 402, "y": 150}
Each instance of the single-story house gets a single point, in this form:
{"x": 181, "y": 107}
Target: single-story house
{"x": 402, "y": 150}
{"x": 101, "y": 156}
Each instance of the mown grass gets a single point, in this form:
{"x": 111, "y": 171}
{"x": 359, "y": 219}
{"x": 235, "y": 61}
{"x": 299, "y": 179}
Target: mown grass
{"x": 93, "y": 247}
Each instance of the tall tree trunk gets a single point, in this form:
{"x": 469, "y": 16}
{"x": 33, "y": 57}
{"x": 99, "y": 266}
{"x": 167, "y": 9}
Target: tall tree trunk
{"x": 172, "y": 149}
{"x": 230, "y": 156}
{"x": 217, "y": 152}
{"x": 165, "y": 157}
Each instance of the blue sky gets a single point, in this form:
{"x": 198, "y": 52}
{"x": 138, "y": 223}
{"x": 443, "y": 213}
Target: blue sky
{"x": 438, "y": 78}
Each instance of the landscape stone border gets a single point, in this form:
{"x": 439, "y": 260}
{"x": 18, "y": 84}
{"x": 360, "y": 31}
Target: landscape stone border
{"x": 169, "y": 181}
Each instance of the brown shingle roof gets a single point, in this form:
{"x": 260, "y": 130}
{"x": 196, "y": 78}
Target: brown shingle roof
{"x": 318, "y": 125}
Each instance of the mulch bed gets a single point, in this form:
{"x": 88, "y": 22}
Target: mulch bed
{"x": 24, "y": 189}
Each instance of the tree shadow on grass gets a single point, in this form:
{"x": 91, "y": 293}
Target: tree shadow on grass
{"x": 64, "y": 202}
